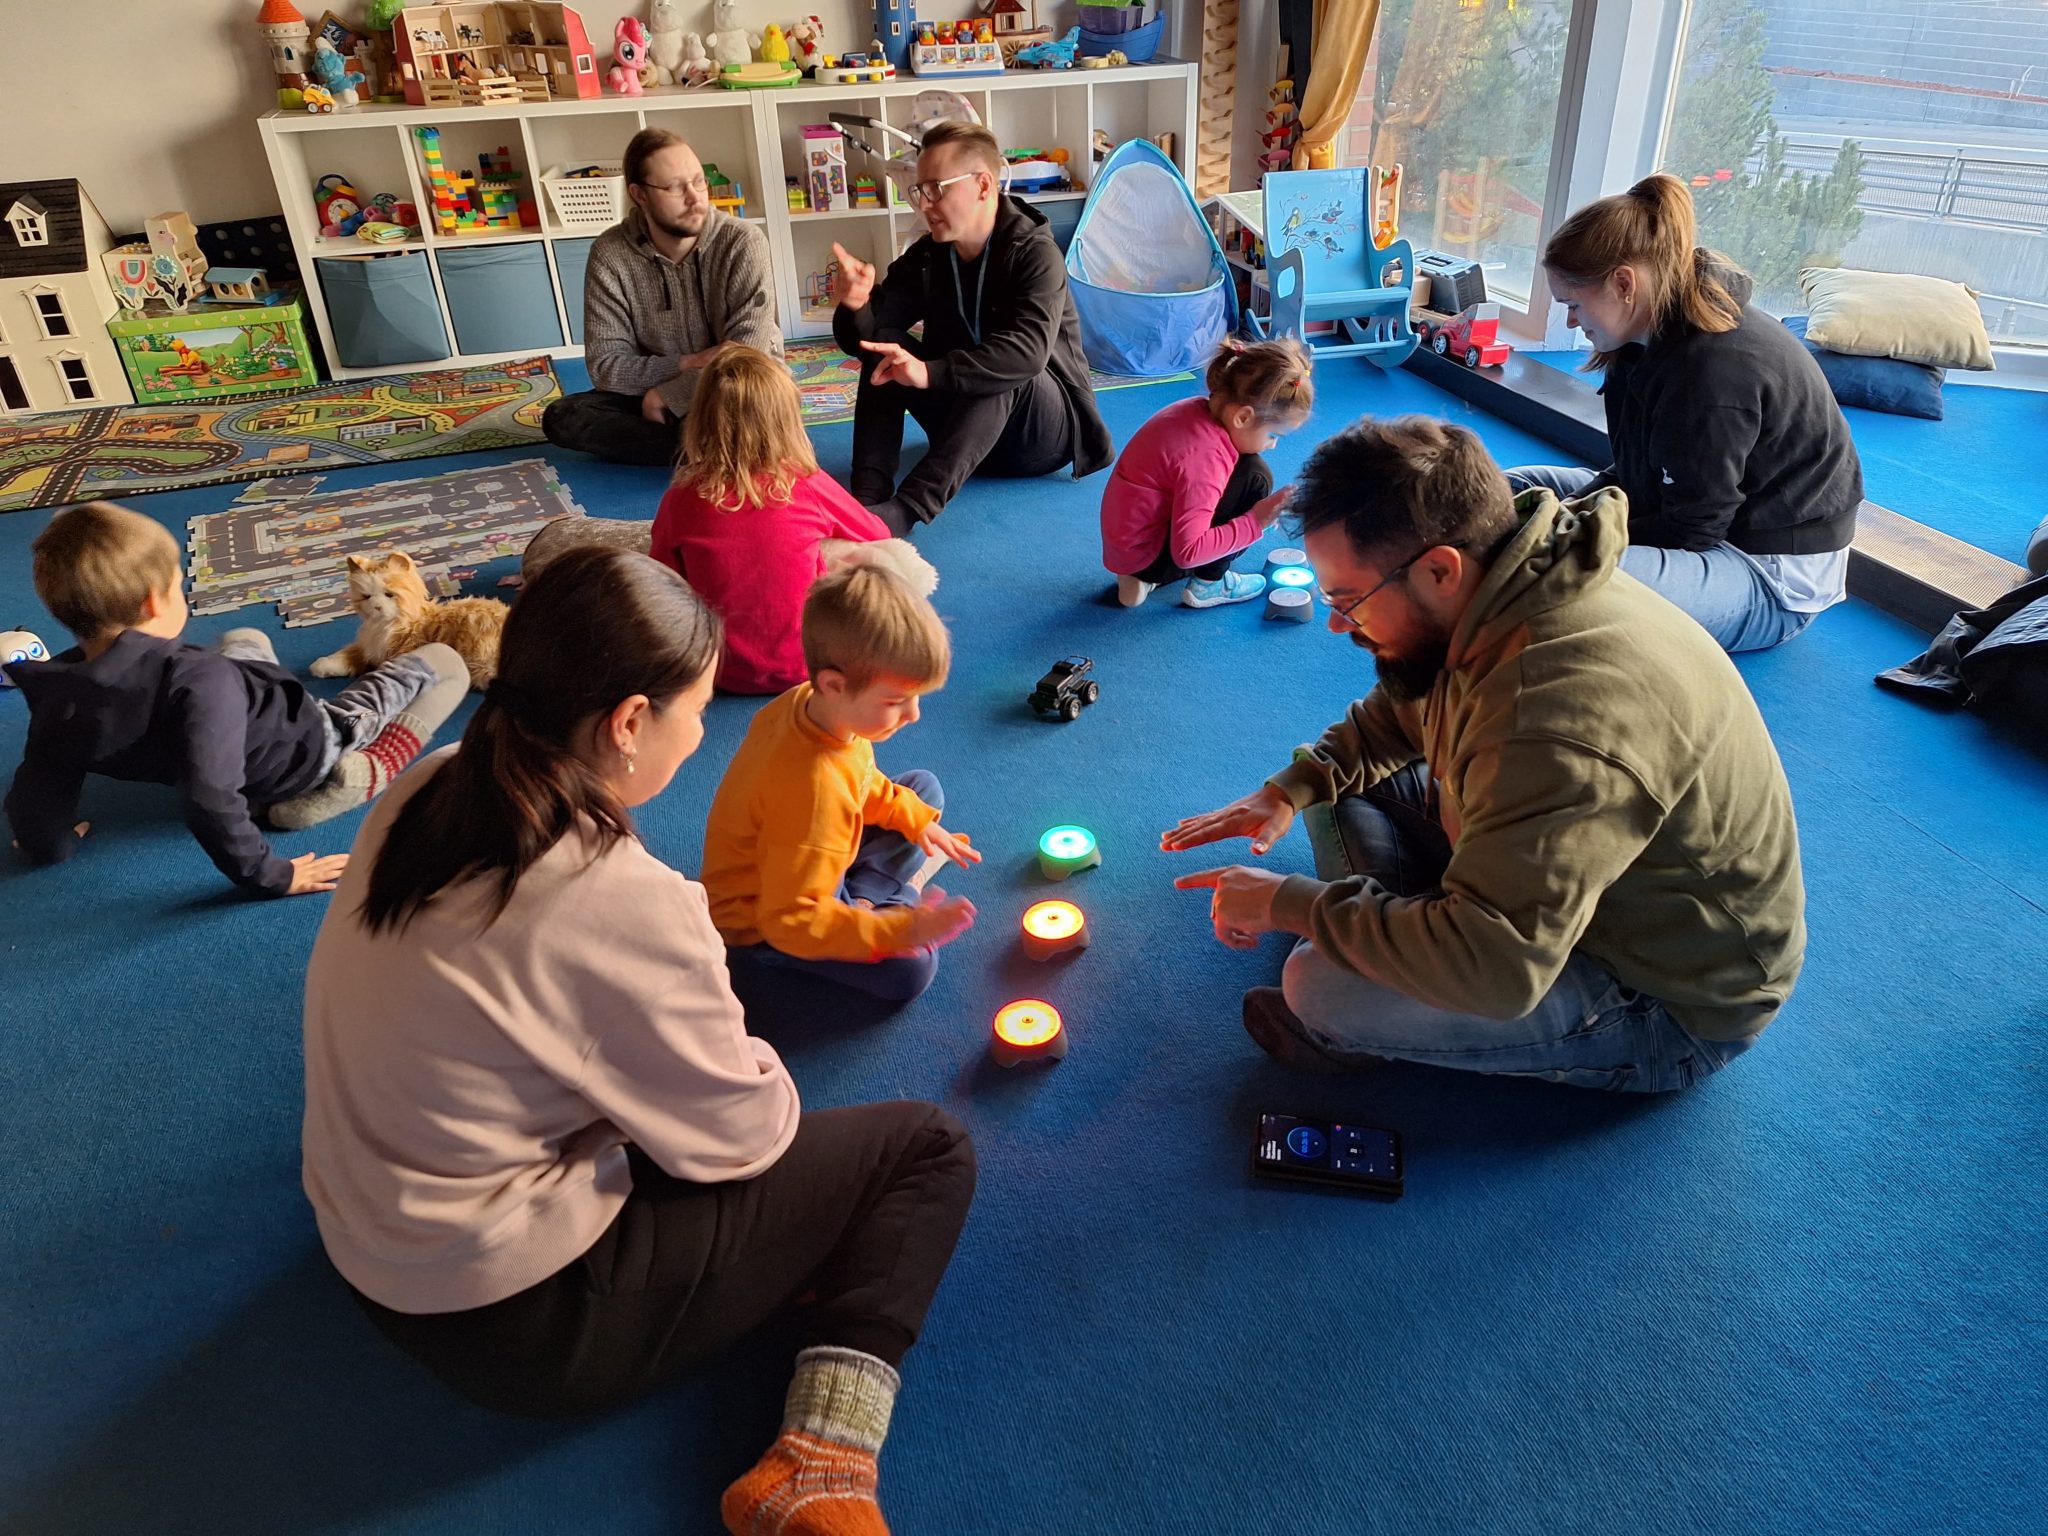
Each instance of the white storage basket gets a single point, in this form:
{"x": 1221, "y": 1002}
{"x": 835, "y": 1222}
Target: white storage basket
{"x": 586, "y": 202}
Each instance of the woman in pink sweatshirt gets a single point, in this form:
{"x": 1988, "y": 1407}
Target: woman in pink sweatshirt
{"x": 748, "y": 515}
{"x": 540, "y": 1144}
{"x": 1191, "y": 490}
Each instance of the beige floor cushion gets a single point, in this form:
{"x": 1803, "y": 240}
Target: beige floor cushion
{"x": 1892, "y": 314}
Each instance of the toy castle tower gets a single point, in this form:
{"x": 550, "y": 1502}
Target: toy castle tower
{"x": 895, "y": 22}
{"x": 285, "y": 34}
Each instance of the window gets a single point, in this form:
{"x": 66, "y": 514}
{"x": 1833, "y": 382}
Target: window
{"x": 13, "y": 397}
{"x": 50, "y": 313}
{"x": 29, "y": 223}
{"x": 1911, "y": 137}
{"x": 1463, "y": 95}
{"x": 76, "y": 377}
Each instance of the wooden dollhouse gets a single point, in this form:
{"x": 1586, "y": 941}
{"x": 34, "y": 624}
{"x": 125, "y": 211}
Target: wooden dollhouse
{"x": 55, "y": 301}
{"x": 493, "y": 53}
{"x": 1016, "y": 26}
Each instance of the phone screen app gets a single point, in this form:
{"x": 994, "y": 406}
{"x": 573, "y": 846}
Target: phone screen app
{"x": 1362, "y": 1150}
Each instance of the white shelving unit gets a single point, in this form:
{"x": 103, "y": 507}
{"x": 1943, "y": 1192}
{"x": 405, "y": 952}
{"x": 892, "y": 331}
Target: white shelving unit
{"x": 754, "y": 137}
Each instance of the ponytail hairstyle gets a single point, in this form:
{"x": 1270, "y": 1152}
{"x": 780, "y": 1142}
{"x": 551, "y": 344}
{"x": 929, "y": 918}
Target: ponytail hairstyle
{"x": 596, "y": 627}
{"x": 744, "y": 443}
{"x": 1650, "y": 227}
{"x": 1272, "y": 377}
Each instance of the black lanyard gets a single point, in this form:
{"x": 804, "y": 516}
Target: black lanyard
{"x": 960, "y": 294}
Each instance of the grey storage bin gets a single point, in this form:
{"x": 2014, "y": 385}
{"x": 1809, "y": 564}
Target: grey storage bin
{"x": 572, "y": 258}
{"x": 500, "y": 298}
{"x": 1063, "y": 216}
{"x": 383, "y": 310}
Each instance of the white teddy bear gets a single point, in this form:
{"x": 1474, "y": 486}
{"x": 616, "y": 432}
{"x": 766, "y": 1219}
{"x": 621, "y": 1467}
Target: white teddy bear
{"x": 665, "y": 41}
{"x": 731, "y": 43}
{"x": 697, "y": 68}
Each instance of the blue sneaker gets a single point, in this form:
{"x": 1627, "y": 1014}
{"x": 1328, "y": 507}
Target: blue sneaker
{"x": 1231, "y": 587}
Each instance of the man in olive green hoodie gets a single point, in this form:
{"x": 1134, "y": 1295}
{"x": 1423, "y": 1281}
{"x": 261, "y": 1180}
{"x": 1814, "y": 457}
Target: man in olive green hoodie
{"x": 1556, "y": 840}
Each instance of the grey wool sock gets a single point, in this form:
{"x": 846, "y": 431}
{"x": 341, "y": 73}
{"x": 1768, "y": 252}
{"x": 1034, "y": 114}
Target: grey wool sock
{"x": 841, "y": 1395}
{"x": 357, "y": 778}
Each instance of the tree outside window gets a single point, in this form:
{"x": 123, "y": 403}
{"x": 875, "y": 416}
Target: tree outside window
{"x": 1903, "y": 136}
{"x": 1463, "y": 95}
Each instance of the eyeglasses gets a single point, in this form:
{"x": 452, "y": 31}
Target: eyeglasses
{"x": 924, "y": 193}
{"x": 1345, "y": 613}
{"x": 678, "y": 188}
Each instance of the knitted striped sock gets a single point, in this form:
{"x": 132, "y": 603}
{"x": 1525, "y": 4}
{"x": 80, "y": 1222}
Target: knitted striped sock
{"x": 358, "y": 777}
{"x": 819, "y": 1477}
{"x": 393, "y": 751}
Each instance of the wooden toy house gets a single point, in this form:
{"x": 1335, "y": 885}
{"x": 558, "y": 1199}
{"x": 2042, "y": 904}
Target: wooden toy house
{"x": 489, "y": 54}
{"x": 55, "y": 301}
{"x": 1016, "y": 27}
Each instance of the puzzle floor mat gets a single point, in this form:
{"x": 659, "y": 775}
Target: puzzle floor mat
{"x": 282, "y": 542}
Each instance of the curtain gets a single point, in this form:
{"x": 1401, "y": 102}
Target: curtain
{"x": 1343, "y": 33}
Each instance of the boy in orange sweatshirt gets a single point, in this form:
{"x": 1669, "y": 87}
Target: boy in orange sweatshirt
{"x": 813, "y": 859}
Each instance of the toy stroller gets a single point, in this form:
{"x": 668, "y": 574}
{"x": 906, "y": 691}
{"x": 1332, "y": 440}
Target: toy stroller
{"x": 896, "y": 149}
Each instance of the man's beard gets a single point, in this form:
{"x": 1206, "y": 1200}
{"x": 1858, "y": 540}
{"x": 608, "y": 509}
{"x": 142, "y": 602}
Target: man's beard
{"x": 689, "y": 227}
{"x": 1409, "y": 678}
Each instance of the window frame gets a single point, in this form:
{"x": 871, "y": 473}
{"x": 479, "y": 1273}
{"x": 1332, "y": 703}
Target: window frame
{"x": 1623, "y": 85}
{"x": 36, "y": 296}
{"x": 60, "y": 361}
{"x": 28, "y": 403}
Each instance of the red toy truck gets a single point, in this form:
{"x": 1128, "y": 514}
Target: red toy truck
{"x": 1472, "y": 336}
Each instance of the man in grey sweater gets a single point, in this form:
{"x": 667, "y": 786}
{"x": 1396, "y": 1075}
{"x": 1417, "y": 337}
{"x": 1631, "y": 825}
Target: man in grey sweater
{"x": 666, "y": 288}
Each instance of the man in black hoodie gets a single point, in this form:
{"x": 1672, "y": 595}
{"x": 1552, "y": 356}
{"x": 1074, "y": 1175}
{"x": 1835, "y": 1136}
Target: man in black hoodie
{"x": 997, "y": 379}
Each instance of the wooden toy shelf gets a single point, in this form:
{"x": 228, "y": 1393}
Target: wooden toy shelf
{"x": 754, "y": 138}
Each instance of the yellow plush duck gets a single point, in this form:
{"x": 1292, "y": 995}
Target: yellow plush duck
{"x": 774, "y": 46}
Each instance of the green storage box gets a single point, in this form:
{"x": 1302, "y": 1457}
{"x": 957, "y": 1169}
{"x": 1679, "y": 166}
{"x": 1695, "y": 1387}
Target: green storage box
{"x": 216, "y": 350}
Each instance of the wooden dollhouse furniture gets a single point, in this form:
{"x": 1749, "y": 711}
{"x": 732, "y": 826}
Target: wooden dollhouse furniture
{"x": 493, "y": 54}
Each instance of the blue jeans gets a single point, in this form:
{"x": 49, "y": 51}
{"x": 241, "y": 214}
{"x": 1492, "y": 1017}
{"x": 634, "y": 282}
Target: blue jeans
{"x": 1720, "y": 587}
{"x": 357, "y": 715}
{"x": 1589, "y": 1030}
{"x": 880, "y": 875}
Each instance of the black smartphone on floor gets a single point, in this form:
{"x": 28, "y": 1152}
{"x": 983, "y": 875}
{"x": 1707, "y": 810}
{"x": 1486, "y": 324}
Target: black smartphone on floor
{"x": 1364, "y": 1158}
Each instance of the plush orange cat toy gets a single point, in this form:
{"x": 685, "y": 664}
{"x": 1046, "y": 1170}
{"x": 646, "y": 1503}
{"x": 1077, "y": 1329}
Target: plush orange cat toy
{"x": 390, "y": 596}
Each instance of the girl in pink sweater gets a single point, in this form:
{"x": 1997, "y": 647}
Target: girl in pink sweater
{"x": 1191, "y": 489}
{"x": 747, "y": 514}
{"x": 541, "y": 1145}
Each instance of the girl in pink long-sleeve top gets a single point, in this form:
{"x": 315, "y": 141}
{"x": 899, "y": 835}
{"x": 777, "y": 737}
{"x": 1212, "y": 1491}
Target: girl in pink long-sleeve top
{"x": 749, "y": 513}
{"x": 1191, "y": 489}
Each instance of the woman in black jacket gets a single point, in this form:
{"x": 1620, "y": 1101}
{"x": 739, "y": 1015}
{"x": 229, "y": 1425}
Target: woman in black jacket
{"x": 1742, "y": 482}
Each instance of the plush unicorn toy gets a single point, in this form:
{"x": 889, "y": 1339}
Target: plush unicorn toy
{"x": 629, "y": 56}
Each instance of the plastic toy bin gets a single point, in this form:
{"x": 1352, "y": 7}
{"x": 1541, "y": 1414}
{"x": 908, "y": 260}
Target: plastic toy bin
{"x": 572, "y": 259}
{"x": 594, "y": 203}
{"x": 383, "y": 310}
{"x": 500, "y": 298}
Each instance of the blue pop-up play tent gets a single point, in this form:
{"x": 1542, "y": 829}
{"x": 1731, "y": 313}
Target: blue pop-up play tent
{"x": 1149, "y": 280}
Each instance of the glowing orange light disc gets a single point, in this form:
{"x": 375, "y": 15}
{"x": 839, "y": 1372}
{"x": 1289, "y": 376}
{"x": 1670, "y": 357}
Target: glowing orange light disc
{"x": 1027, "y": 1023}
{"x": 1053, "y": 920}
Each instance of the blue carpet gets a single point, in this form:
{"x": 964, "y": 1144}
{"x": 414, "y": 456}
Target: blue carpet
{"x": 1804, "y": 1298}
{"x": 1980, "y": 474}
